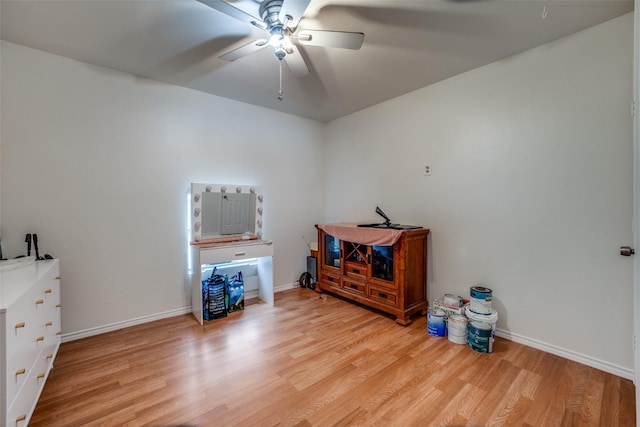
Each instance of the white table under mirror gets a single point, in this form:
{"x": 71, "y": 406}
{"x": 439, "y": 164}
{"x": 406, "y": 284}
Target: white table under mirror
{"x": 226, "y": 230}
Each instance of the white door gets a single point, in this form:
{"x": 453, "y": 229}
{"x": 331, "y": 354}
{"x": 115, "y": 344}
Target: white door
{"x": 636, "y": 204}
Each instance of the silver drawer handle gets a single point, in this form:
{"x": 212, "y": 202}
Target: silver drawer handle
{"x": 240, "y": 253}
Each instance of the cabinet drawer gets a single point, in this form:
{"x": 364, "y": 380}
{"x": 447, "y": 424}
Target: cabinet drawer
{"x": 383, "y": 295}
{"x": 330, "y": 279}
{"x": 355, "y": 269}
{"x": 354, "y": 287}
{"x": 233, "y": 252}
{"x": 391, "y": 286}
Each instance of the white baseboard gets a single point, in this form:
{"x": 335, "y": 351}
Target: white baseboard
{"x": 124, "y": 324}
{"x": 568, "y": 354}
{"x": 286, "y": 287}
{"x": 254, "y": 292}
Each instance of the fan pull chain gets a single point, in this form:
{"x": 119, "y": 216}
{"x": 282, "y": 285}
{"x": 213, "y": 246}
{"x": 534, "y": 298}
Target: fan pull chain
{"x": 280, "y": 93}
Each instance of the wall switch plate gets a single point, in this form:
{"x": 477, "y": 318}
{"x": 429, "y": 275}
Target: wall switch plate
{"x": 427, "y": 170}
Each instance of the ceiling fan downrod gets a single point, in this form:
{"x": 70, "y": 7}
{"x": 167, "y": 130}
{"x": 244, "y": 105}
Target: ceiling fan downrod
{"x": 270, "y": 13}
{"x": 280, "y": 93}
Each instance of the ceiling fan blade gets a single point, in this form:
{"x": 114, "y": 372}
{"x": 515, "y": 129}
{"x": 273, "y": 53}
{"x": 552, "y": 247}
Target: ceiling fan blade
{"x": 340, "y": 39}
{"x": 234, "y": 12}
{"x": 244, "y": 50}
{"x": 296, "y": 63}
{"x": 293, "y": 9}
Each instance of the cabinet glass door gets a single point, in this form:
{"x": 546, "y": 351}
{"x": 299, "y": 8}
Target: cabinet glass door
{"x": 331, "y": 251}
{"x": 382, "y": 262}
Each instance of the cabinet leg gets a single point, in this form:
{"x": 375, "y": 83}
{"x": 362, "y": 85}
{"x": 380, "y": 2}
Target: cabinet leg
{"x": 423, "y": 312}
{"x": 404, "y": 321}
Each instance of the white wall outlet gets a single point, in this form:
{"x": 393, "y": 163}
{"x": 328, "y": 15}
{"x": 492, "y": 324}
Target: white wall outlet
{"x": 427, "y": 170}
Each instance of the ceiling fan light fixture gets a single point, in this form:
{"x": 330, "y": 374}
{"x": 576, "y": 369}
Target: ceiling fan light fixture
{"x": 275, "y": 40}
{"x": 282, "y": 45}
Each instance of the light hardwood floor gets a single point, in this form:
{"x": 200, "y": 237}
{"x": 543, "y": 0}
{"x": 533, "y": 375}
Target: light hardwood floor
{"x": 321, "y": 362}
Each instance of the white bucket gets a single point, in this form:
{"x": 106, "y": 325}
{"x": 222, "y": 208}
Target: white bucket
{"x": 452, "y": 300}
{"x": 480, "y": 300}
{"x": 479, "y": 323}
{"x": 457, "y": 329}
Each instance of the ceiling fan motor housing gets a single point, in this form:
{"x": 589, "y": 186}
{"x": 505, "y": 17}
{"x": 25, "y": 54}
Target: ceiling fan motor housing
{"x": 270, "y": 14}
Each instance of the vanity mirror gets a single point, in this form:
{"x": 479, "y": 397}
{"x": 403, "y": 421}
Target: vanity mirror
{"x": 225, "y": 213}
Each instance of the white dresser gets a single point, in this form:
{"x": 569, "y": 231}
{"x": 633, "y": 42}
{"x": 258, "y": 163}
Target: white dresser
{"x": 29, "y": 334}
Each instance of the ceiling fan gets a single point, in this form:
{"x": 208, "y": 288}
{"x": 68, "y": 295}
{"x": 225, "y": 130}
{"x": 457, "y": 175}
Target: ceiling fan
{"x": 280, "y": 18}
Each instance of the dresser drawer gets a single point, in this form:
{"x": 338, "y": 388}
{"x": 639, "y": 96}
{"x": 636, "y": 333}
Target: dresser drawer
{"x": 20, "y": 411}
{"x": 50, "y": 350}
{"x": 383, "y": 295}
{"x": 49, "y": 319}
{"x": 51, "y": 340}
{"x": 334, "y": 280}
{"x": 20, "y": 366}
{"x": 48, "y": 292}
{"x": 355, "y": 287}
{"x": 41, "y": 370}
{"x": 384, "y": 284}
{"x": 232, "y": 252}
{"x": 21, "y": 319}
{"x": 356, "y": 270}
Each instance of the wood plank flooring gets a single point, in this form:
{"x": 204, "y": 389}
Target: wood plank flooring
{"x": 312, "y": 361}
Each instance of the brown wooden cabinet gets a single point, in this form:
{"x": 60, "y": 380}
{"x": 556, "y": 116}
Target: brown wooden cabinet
{"x": 389, "y": 277}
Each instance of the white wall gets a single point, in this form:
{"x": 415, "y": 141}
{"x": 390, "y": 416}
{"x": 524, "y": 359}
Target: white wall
{"x": 97, "y": 163}
{"x": 530, "y": 192}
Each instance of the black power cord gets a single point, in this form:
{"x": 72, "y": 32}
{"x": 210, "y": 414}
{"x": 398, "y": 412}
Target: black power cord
{"x": 306, "y": 281}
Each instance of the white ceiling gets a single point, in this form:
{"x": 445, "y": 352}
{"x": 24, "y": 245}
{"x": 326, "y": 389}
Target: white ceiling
{"x": 408, "y": 44}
